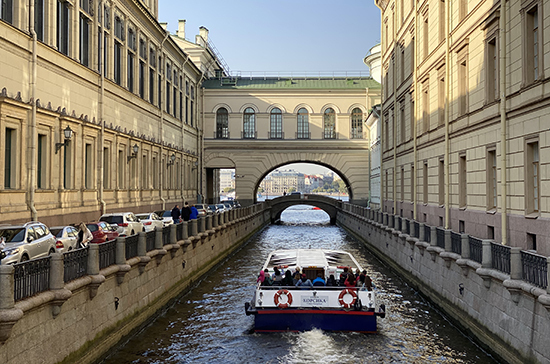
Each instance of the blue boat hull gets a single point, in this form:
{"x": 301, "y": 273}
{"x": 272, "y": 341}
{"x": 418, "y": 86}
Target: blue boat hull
{"x": 275, "y": 320}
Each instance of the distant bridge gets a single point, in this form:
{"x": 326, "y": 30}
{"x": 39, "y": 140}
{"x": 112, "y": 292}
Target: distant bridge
{"x": 327, "y": 204}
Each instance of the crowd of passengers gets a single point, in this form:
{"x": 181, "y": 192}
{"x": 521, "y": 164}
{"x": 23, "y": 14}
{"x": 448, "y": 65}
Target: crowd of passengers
{"x": 347, "y": 278}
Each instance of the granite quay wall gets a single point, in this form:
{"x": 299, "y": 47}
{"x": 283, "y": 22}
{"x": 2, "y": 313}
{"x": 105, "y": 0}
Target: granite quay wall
{"x": 90, "y": 299}
{"x": 494, "y": 293}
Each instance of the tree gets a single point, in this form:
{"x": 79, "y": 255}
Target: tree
{"x": 291, "y": 189}
{"x": 228, "y": 189}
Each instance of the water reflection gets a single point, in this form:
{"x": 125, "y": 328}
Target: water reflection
{"x": 208, "y": 325}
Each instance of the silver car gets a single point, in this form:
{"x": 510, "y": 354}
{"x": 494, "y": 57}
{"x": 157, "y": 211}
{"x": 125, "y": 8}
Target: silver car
{"x": 66, "y": 238}
{"x": 28, "y": 241}
{"x": 127, "y": 220}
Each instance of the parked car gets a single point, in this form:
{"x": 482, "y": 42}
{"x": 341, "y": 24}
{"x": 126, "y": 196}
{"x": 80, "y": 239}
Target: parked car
{"x": 66, "y": 238}
{"x": 234, "y": 203}
{"x": 102, "y": 232}
{"x": 227, "y": 205}
{"x": 214, "y": 209}
{"x": 203, "y": 210}
{"x": 221, "y": 207}
{"x": 166, "y": 216}
{"x": 151, "y": 221}
{"x": 126, "y": 220}
{"x": 28, "y": 241}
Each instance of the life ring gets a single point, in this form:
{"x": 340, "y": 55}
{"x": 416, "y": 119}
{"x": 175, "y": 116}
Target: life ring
{"x": 342, "y": 295}
{"x": 279, "y": 294}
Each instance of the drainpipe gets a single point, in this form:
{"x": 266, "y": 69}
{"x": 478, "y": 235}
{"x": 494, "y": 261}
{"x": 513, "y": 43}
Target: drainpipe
{"x": 100, "y": 117}
{"x": 33, "y": 137}
{"x": 183, "y": 132}
{"x": 395, "y": 111}
{"x": 201, "y": 139}
{"x": 447, "y": 115}
{"x": 381, "y": 120}
{"x": 414, "y": 131}
{"x": 503, "y": 121}
{"x": 161, "y": 118}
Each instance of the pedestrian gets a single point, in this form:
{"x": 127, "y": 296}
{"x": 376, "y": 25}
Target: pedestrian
{"x": 194, "y": 213}
{"x": 84, "y": 235}
{"x": 186, "y": 211}
{"x": 176, "y": 214}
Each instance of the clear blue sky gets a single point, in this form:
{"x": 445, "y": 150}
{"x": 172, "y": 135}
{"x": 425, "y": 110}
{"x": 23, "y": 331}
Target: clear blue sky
{"x": 284, "y": 35}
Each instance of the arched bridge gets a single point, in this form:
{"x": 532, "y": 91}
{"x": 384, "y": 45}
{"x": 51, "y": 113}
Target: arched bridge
{"x": 327, "y": 204}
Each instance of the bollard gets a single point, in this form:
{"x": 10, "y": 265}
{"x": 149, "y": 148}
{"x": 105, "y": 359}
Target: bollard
{"x": 185, "y": 230}
{"x": 516, "y": 268}
{"x": 465, "y": 241}
{"x": 486, "y": 258}
{"x": 120, "y": 254}
{"x": 433, "y": 236}
{"x": 142, "y": 244}
{"x": 93, "y": 258}
{"x": 547, "y": 274}
{"x": 194, "y": 227}
{"x": 448, "y": 241}
{"x": 57, "y": 271}
{"x": 7, "y": 300}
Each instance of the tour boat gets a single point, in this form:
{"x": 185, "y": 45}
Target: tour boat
{"x": 331, "y": 308}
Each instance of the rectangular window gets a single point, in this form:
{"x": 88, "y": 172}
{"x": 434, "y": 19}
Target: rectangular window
{"x": 121, "y": 169}
{"x": 492, "y": 71}
{"x": 402, "y": 122}
{"x": 10, "y": 153}
{"x": 84, "y": 40}
{"x": 159, "y": 91}
{"x": 191, "y": 117}
{"x": 442, "y": 18}
{"x": 532, "y": 177}
{"x": 425, "y": 183}
{"x": 532, "y": 43}
{"x": 462, "y": 173}
{"x": 174, "y": 99}
{"x": 155, "y": 172}
{"x": 118, "y": 62}
{"x": 63, "y": 27}
{"x": 38, "y": 18}
{"x": 67, "y": 166}
{"x": 142, "y": 79}
{"x": 88, "y": 166}
{"x": 152, "y": 86}
{"x": 491, "y": 179}
{"x": 105, "y": 54}
{"x": 144, "y": 184}
{"x": 6, "y": 11}
{"x": 441, "y": 100}
{"x": 531, "y": 241}
{"x": 130, "y": 72}
{"x": 402, "y": 184}
{"x": 426, "y": 108}
{"x": 402, "y": 65}
{"x": 462, "y": 86}
{"x": 413, "y": 176}
{"x": 426, "y": 32}
{"x": 413, "y": 120}
{"x": 441, "y": 177}
{"x": 41, "y": 173}
{"x": 106, "y": 168}
{"x": 462, "y": 9}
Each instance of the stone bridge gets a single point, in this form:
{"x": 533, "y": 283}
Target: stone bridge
{"x": 327, "y": 204}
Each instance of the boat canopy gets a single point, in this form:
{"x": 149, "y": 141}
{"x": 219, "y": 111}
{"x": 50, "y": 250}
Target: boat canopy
{"x": 311, "y": 258}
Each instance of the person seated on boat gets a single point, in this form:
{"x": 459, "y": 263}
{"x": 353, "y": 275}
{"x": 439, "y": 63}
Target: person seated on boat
{"x": 297, "y": 275}
{"x": 343, "y": 276}
{"x": 331, "y": 281}
{"x": 350, "y": 281}
{"x": 319, "y": 281}
{"x": 357, "y": 273}
{"x": 261, "y": 278}
{"x": 287, "y": 280}
{"x": 304, "y": 282}
{"x": 277, "y": 276}
{"x": 268, "y": 281}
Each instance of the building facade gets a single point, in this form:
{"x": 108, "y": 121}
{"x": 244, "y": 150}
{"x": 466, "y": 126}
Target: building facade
{"x": 464, "y": 117}
{"x": 110, "y": 76}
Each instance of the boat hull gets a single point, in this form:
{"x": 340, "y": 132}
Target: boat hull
{"x": 276, "y": 320}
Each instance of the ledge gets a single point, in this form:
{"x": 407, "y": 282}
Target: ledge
{"x": 488, "y": 274}
{"x": 466, "y": 265}
{"x": 448, "y": 257}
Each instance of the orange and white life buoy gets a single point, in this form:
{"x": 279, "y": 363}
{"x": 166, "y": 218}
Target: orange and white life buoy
{"x": 343, "y": 294}
{"x": 282, "y": 298}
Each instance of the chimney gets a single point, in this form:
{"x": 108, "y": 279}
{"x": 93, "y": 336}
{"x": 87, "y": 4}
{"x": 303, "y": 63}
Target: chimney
{"x": 202, "y": 38}
{"x": 164, "y": 26}
{"x": 181, "y": 29}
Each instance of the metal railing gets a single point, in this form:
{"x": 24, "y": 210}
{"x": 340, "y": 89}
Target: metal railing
{"x": 75, "y": 264}
{"x": 535, "y": 269}
{"x": 222, "y": 134}
{"x": 500, "y": 257}
{"x": 107, "y": 254}
{"x": 31, "y": 277}
{"x": 456, "y": 243}
{"x": 407, "y": 228}
{"x": 476, "y": 249}
{"x": 416, "y": 229}
{"x": 275, "y": 134}
{"x": 428, "y": 233}
{"x": 179, "y": 231}
{"x": 398, "y": 227}
{"x": 150, "y": 240}
{"x": 249, "y": 134}
{"x": 303, "y": 135}
{"x": 440, "y": 234}
{"x": 132, "y": 246}
{"x": 166, "y": 235}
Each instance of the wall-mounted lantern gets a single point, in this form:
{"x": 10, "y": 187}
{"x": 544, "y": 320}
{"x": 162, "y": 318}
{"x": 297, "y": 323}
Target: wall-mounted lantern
{"x": 135, "y": 150}
{"x": 68, "y": 132}
{"x": 196, "y": 164}
{"x": 172, "y": 160}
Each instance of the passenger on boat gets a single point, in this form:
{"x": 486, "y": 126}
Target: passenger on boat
{"x": 304, "y": 282}
{"x": 261, "y": 278}
{"x": 343, "y": 276}
{"x": 350, "y": 281}
{"x": 332, "y": 281}
{"x": 268, "y": 281}
{"x": 365, "y": 282}
{"x": 319, "y": 281}
{"x": 287, "y": 280}
{"x": 297, "y": 275}
{"x": 277, "y": 276}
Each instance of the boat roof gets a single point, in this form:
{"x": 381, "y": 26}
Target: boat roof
{"x": 311, "y": 258}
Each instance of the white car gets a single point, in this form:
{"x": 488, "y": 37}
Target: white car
{"x": 66, "y": 238}
{"x": 127, "y": 220}
{"x": 23, "y": 242}
{"x": 150, "y": 221}
{"x": 166, "y": 216}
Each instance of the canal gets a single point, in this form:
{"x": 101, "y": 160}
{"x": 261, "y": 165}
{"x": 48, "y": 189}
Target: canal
{"x": 208, "y": 324}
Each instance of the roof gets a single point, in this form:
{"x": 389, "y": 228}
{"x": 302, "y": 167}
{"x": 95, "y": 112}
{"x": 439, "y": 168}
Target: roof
{"x": 320, "y": 83}
{"x": 311, "y": 257}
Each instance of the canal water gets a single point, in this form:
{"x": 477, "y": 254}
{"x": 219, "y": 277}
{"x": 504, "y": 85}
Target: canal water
{"x": 208, "y": 324}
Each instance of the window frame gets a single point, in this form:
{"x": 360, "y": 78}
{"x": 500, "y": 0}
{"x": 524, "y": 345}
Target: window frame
{"x": 329, "y": 123}
{"x": 276, "y": 124}
{"x": 222, "y": 123}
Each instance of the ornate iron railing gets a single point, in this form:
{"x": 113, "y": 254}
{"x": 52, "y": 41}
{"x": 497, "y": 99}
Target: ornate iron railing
{"x": 416, "y": 229}
{"x": 476, "y": 249}
{"x": 535, "y": 269}
{"x": 179, "y": 231}
{"x": 456, "y": 243}
{"x": 500, "y": 255}
{"x": 407, "y": 228}
{"x": 440, "y": 234}
{"x": 398, "y": 227}
{"x": 166, "y": 235}
{"x": 132, "y": 246}
{"x": 31, "y": 277}
{"x": 107, "y": 254}
{"x": 428, "y": 233}
{"x": 150, "y": 240}
{"x": 75, "y": 264}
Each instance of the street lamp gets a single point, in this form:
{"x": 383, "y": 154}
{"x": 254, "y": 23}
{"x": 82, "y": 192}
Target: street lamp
{"x": 135, "y": 150}
{"x": 171, "y": 161}
{"x": 68, "y": 133}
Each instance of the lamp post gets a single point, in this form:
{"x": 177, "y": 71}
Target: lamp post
{"x": 135, "y": 150}
{"x": 171, "y": 161}
{"x": 68, "y": 133}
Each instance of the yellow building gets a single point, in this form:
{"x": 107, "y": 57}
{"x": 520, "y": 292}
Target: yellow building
{"x": 455, "y": 154}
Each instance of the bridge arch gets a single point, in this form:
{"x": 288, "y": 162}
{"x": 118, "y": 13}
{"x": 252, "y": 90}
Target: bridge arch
{"x": 327, "y": 204}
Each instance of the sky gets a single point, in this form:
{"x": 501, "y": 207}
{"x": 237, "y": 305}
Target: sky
{"x": 282, "y": 36}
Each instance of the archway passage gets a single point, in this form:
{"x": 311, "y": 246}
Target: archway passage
{"x": 327, "y": 204}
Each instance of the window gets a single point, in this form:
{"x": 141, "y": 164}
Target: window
{"x": 402, "y": 122}
{"x": 106, "y": 168}
{"x": 155, "y": 175}
{"x": 491, "y": 179}
{"x": 425, "y": 183}
{"x": 441, "y": 94}
{"x": 462, "y": 86}
{"x": 492, "y": 74}
{"x": 175, "y": 94}
{"x": 192, "y": 100}
{"x": 249, "y": 124}
{"x": 462, "y": 173}
{"x": 412, "y": 117}
{"x": 402, "y": 64}
{"x": 276, "y": 124}
{"x": 131, "y": 59}
{"x": 187, "y": 102}
{"x": 105, "y": 53}
{"x": 10, "y": 158}
{"x": 441, "y": 178}
{"x": 426, "y": 107}
{"x": 531, "y": 241}
{"x": 442, "y": 33}
{"x": 38, "y": 18}
{"x": 152, "y": 86}
{"x": 84, "y": 39}
{"x": 402, "y": 185}
{"x": 88, "y": 167}
{"x": 141, "y": 88}
{"x": 413, "y": 177}
{"x": 462, "y": 9}
{"x": 329, "y": 124}
{"x": 426, "y": 32}
{"x": 121, "y": 169}
{"x": 63, "y": 26}
{"x": 6, "y": 11}
{"x": 144, "y": 173}
{"x": 181, "y": 98}
{"x": 41, "y": 172}
{"x": 222, "y": 123}
{"x": 357, "y": 124}
{"x": 67, "y": 165}
{"x": 118, "y": 62}
{"x": 532, "y": 177}
{"x": 303, "y": 124}
{"x": 532, "y": 46}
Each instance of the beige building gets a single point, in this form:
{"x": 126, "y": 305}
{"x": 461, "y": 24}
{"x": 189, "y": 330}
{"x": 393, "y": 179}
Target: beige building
{"x": 454, "y": 154}
{"x": 108, "y": 72}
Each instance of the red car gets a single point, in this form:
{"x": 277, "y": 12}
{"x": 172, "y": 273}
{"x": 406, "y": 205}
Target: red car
{"x": 101, "y": 232}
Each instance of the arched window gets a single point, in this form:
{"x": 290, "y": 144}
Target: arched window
{"x": 222, "y": 123}
{"x": 357, "y": 124}
{"x": 303, "y": 124}
{"x": 249, "y": 124}
{"x": 276, "y": 124}
{"x": 329, "y": 124}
